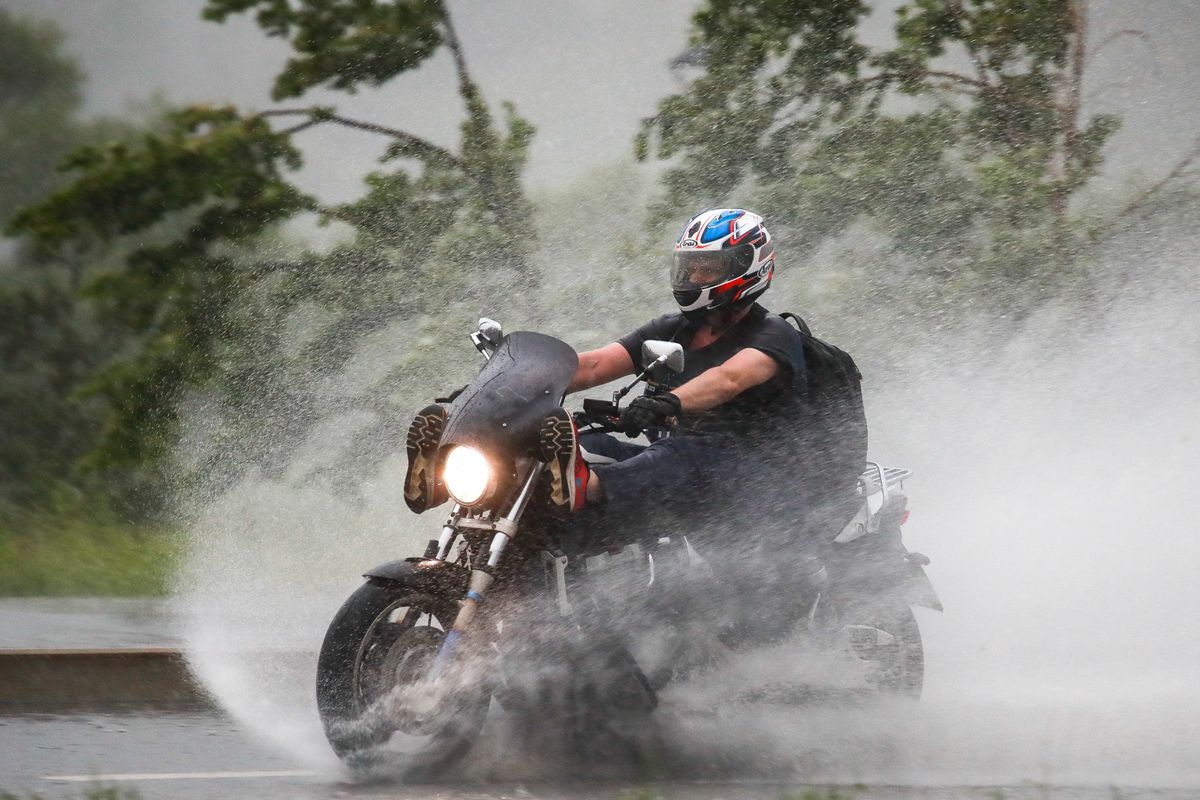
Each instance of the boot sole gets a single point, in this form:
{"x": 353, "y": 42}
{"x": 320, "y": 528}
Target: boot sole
{"x": 556, "y": 438}
{"x": 424, "y": 435}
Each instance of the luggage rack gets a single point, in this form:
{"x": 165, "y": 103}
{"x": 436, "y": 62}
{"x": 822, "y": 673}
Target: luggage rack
{"x": 876, "y": 477}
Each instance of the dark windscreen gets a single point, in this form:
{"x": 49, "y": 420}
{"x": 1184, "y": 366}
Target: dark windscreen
{"x": 501, "y": 410}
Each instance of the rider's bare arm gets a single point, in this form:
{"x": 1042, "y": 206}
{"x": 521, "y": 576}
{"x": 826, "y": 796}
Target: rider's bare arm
{"x": 601, "y": 366}
{"x": 726, "y": 381}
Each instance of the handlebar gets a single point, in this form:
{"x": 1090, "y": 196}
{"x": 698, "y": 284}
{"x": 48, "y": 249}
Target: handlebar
{"x": 605, "y": 416}
{"x": 602, "y": 415}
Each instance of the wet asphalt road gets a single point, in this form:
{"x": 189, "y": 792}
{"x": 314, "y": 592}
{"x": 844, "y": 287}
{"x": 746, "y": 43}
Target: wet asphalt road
{"x": 88, "y": 622}
{"x": 208, "y": 756}
{"x": 1142, "y": 741}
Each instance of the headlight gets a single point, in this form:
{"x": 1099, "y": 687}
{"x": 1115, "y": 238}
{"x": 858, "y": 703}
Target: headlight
{"x": 467, "y": 475}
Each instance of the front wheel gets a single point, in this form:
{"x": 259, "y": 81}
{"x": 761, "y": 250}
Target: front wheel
{"x": 373, "y": 692}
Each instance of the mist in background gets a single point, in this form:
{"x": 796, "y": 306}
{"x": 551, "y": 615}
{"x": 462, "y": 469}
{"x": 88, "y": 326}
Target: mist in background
{"x": 1052, "y": 458}
{"x": 583, "y": 73}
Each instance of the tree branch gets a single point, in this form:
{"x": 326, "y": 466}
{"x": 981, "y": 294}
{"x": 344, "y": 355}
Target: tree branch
{"x": 1112, "y": 37}
{"x": 896, "y": 77}
{"x": 297, "y": 128}
{"x": 479, "y": 120}
{"x": 956, "y": 78}
{"x": 1174, "y": 174}
{"x": 465, "y": 83}
{"x": 335, "y": 213}
{"x": 1070, "y": 88}
{"x": 980, "y": 68}
{"x": 406, "y": 143}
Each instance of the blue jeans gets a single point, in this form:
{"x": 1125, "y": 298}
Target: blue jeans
{"x": 710, "y": 485}
{"x": 680, "y": 474}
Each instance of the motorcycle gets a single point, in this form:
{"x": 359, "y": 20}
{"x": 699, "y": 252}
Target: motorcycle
{"x": 522, "y": 613}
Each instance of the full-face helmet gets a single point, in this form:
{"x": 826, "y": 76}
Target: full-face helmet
{"x": 723, "y": 259}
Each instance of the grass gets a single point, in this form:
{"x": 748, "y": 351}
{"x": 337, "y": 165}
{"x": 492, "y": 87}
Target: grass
{"x": 72, "y": 555}
{"x": 810, "y": 794}
{"x": 94, "y": 793}
{"x": 818, "y": 794}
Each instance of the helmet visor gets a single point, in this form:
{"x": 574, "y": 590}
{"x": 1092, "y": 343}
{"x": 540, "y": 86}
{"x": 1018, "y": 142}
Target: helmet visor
{"x": 696, "y": 269}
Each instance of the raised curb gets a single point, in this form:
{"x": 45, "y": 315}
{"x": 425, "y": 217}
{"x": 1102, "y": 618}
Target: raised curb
{"x": 45, "y": 680}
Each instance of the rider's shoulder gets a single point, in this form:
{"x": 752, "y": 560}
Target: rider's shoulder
{"x": 666, "y": 322}
{"x": 776, "y": 325}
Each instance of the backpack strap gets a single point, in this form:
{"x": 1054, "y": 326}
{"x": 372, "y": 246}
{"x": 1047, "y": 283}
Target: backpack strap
{"x": 801, "y": 324}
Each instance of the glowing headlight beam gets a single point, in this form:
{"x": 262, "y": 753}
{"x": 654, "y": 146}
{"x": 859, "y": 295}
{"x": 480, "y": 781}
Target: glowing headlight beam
{"x": 467, "y": 474}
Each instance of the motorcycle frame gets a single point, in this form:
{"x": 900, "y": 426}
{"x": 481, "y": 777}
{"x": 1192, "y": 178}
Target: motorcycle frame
{"x": 915, "y": 585}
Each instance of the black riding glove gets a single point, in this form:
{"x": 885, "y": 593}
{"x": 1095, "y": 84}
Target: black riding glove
{"x": 649, "y": 411}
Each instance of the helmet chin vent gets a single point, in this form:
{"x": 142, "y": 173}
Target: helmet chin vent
{"x": 687, "y": 297}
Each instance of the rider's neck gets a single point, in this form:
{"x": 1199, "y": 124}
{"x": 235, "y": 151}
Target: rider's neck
{"x": 717, "y": 323}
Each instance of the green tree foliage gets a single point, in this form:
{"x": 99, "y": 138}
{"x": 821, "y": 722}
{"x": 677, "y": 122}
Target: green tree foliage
{"x": 39, "y": 97}
{"x": 171, "y": 296}
{"x": 46, "y": 352}
{"x": 50, "y": 341}
{"x": 962, "y": 142}
{"x": 198, "y": 202}
{"x": 343, "y": 43}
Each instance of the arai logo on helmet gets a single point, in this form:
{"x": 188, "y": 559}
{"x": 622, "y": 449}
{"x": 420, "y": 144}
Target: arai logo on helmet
{"x": 689, "y": 243}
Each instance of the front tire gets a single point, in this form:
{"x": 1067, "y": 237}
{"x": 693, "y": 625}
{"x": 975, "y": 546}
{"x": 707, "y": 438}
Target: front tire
{"x": 370, "y": 673}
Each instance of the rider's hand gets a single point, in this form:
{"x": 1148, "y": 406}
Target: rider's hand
{"x": 649, "y": 411}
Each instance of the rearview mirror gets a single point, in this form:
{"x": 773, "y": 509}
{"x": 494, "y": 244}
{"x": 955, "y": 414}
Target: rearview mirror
{"x": 487, "y": 336}
{"x": 668, "y": 354}
{"x": 490, "y": 330}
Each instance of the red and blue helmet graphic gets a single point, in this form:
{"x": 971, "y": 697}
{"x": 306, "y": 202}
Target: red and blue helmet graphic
{"x": 724, "y": 258}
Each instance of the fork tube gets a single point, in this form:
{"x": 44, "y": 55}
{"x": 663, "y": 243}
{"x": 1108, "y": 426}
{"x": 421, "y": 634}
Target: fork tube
{"x": 482, "y": 577}
{"x": 448, "y": 532}
{"x": 518, "y": 506}
{"x": 499, "y": 542}
{"x": 480, "y": 581}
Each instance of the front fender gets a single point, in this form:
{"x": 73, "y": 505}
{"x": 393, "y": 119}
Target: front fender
{"x": 423, "y": 574}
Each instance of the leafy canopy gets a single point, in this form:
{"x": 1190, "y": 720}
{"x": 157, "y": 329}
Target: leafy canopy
{"x": 51, "y": 341}
{"x": 343, "y": 43}
{"x": 191, "y": 202}
{"x": 963, "y": 139}
{"x": 225, "y": 171}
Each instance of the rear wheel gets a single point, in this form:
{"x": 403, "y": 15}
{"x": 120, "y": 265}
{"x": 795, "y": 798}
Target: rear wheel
{"x": 858, "y": 654}
{"x": 889, "y": 641}
{"x": 373, "y": 693}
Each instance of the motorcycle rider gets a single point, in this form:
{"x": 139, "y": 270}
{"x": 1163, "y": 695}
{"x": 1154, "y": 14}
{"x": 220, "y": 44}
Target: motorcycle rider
{"x": 744, "y": 376}
{"x": 744, "y": 372}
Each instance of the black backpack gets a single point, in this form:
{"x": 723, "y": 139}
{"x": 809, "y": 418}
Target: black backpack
{"x": 834, "y": 438}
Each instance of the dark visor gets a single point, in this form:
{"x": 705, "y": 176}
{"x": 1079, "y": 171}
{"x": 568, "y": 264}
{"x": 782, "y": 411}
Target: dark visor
{"x": 696, "y": 269}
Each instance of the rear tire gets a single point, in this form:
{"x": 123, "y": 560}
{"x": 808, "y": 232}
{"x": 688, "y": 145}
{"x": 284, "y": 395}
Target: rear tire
{"x": 381, "y": 642}
{"x": 897, "y": 666}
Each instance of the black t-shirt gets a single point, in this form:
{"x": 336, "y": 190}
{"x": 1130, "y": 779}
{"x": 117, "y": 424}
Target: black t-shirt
{"x": 759, "y": 408}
